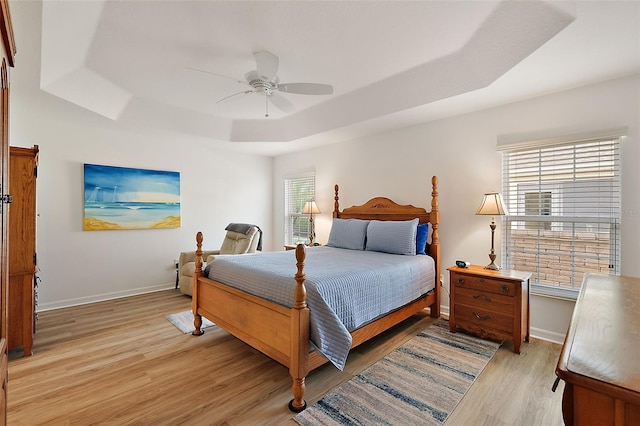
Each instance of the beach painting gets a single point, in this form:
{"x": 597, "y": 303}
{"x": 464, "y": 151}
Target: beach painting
{"x": 127, "y": 198}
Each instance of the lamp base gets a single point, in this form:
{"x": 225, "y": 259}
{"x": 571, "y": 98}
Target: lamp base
{"x": 492, "y": 266}
{"x": 492, "y": 254}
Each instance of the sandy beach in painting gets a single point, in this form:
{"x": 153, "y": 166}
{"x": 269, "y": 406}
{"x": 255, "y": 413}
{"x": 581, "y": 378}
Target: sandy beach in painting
{"x": 93, "y": 224}
{"x": 137, "y": 215}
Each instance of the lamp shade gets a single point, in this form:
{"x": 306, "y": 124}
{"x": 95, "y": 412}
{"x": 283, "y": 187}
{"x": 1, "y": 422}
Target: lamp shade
{"x": 310, "y": 208}
{"x": 492, "y": 205}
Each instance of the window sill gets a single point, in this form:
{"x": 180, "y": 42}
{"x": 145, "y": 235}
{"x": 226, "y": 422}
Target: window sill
{"x": 567, "y": 296}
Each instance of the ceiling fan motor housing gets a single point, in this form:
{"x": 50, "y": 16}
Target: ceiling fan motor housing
{"x": 264, "y": 87}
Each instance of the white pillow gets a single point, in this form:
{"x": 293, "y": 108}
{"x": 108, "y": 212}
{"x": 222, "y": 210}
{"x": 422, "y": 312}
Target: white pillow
{"x": 348, "y": 233}
{"x": 391, "y": 236}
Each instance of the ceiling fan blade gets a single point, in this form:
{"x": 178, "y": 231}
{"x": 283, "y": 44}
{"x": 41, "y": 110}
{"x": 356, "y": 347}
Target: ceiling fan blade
{"x": 281, "y": 103}
{"x": 266, "y": 64}
{"x": 235, "y": 94}
{"x": 217, "y": 75}
{"x": 306, "y": 88}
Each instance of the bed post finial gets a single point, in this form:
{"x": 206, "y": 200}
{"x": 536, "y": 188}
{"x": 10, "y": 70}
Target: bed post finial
{"x": 434, "y": 194}
{"x": 434, "y": 250}
{"x": 435, "y": 211}
{"x": 199, "y": 252}
{"x": 197, "y": 318}
{"x": 300, "y": 294}
{"x": 336, "y": 204}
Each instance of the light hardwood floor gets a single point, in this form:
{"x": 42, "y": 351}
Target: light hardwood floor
{"x": 121, "y": 362}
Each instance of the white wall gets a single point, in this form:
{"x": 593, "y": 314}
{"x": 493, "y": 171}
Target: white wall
{"x": 217, "y": 187}
{"x": 461, "y": 151}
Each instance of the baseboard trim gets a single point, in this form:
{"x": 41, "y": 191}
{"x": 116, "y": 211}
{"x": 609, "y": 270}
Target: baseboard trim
{"x": 549, "y": 336}
{"x": 43, "y": 307}
{"x": 444, "y": 312}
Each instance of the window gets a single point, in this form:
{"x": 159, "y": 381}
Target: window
{"x": 564, "y": 207}
{"x": 297, "y": 191}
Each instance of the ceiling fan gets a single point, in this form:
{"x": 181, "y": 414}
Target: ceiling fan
{"x": 264, "y": 81}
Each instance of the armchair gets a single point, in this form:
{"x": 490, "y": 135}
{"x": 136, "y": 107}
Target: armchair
{"x": 234, "y": 243}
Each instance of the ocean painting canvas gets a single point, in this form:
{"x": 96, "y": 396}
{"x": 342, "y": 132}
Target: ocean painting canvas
{"x": 128, "y": 198}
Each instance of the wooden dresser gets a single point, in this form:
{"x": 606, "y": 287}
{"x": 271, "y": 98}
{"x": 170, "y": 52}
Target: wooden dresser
{"x": 490, "y": 304}
{"x": 600, "y": 359}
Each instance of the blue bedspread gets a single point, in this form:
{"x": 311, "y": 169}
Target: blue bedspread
{"x": 345, "y": 288}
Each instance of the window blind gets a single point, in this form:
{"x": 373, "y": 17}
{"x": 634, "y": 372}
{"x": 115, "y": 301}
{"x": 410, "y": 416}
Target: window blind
{"x": 297, "y": 191}
{"x": 564, "y": 205}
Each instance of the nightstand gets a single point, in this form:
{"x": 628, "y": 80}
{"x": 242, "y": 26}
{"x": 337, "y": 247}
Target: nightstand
{"x": 490, "y": 304}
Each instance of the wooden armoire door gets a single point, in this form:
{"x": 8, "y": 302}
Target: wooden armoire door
{"x": 5, "y": 199}
{"x": 8, "y": 47}
{"x": 23, "y": 167}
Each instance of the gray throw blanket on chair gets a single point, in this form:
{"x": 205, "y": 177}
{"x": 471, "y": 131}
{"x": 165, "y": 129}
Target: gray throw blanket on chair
{"x": 244, "y": 228}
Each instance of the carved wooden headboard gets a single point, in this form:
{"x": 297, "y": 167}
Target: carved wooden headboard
{"x": 382, "y": 208}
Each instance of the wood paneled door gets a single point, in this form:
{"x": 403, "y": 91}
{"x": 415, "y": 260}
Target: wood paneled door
{"x": 23, "y": 172}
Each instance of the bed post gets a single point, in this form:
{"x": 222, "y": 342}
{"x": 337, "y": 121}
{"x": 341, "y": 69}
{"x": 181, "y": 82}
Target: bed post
{"x": 197, "y": 318}
{"x": 336, "y": 205}
{"x": 434, "y": 250}
{"x": 299, "y": 366}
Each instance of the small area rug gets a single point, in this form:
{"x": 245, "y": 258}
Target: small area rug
{"x": 419, "y": 383}
{"x": 184, "y": 321}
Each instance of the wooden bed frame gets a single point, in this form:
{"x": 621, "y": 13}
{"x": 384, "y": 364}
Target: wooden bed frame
{"x": 283, "y": 333}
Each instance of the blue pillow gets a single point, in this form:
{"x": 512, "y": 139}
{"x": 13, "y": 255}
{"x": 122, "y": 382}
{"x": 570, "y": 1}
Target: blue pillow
{"x": 390, "y": 236}
{"x": 421, "y": 238}
{"x": 348, "y": 233}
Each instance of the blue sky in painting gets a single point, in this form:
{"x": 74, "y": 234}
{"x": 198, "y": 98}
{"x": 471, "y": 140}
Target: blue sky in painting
{"x": 122, "y": 184}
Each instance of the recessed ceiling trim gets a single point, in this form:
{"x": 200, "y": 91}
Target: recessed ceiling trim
{"x": 510, "y": 34}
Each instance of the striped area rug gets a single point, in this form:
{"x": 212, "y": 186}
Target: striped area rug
{"x": 419, "y": 383}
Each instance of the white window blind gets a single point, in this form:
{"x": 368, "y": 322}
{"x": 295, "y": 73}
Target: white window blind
{"x": 564, "y": 205}
{"x": 297, "y": 191}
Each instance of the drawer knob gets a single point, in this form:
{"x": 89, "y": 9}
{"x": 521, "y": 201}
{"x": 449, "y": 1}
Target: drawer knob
{"x": 505, "y": 289}
{"x": 460, "y": 280}
{"x": 482, "y": 296}
{"x": 481, "y": 318}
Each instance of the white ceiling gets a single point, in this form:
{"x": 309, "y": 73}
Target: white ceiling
{"x": 392, "y": 63}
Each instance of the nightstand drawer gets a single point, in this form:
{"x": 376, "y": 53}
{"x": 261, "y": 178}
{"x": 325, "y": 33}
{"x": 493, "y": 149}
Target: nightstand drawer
{"x": 483, "y": 319}
{"x": 484, "y": 300}
{"x": 484, "y": 284}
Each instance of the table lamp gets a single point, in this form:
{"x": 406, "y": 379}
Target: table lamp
{"x": 493, "y": 205}
{"x": 310, "y": 208}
